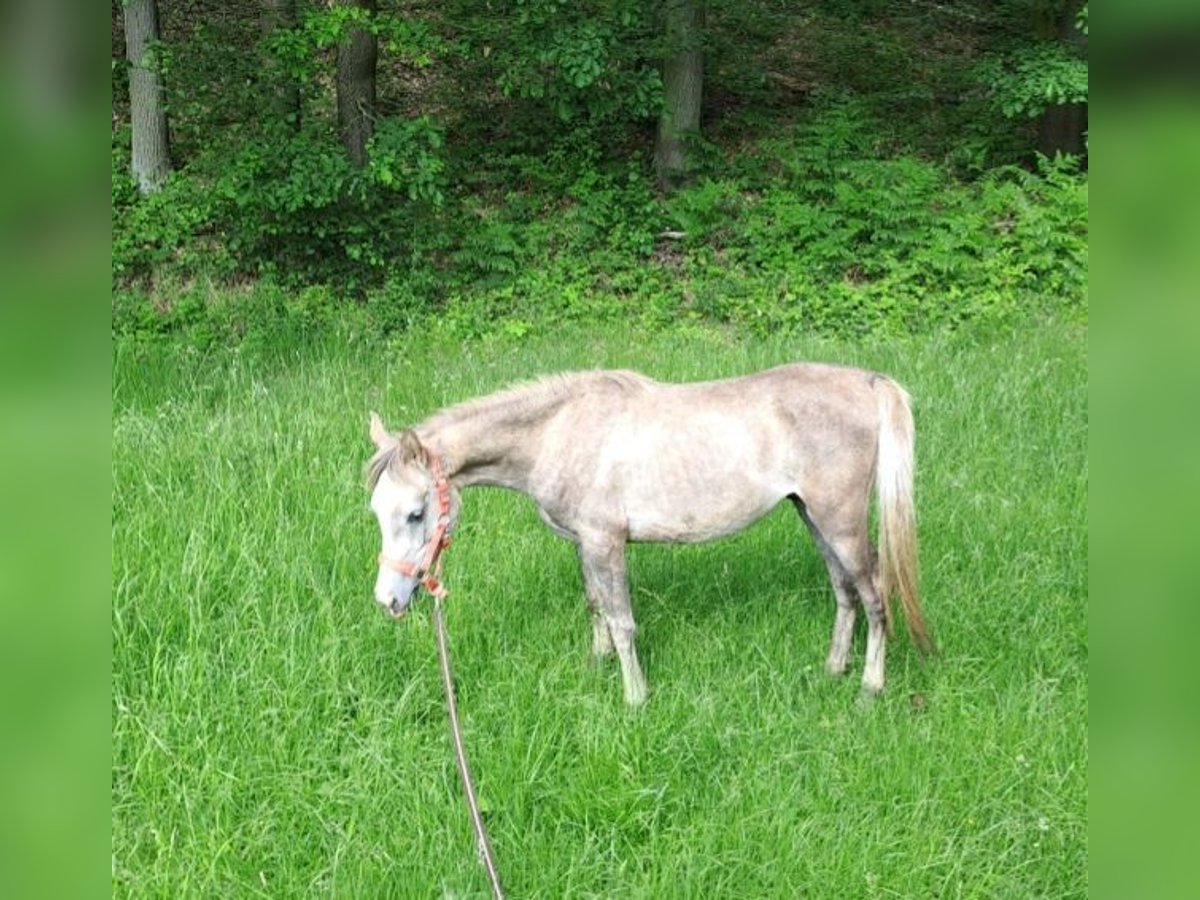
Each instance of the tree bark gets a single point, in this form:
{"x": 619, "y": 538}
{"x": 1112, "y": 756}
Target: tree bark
{"x": 147, "y": 106}
{"x": 1062, "y": 127}
{"x": 356, "y": 86}
{"x": 683, "y": 85}
{"x": 285, "y": 91}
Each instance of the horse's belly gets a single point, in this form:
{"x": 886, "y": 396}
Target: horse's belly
{"x": 693, "y": 522}
{"x": 699, "y": 482}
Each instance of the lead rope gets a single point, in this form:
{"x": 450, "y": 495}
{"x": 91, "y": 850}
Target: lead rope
{"x": 432, "y": 582}
{"x": 460, "y": 753}
{"x": 429, "y": 576}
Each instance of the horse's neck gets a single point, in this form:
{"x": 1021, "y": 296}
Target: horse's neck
{"x": 482, "y": 447}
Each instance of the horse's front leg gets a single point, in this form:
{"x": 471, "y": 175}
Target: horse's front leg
{"x": 607, "y": 587}
{"x": 602, "y": 642}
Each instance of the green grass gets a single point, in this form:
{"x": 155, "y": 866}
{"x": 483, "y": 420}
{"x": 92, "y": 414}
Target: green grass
{"x": 274, "y": 735}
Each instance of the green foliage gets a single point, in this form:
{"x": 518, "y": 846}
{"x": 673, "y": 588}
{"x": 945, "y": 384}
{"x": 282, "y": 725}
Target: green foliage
{"x": 260, "y": 316}
{"x": 615, "y": 209}
{"x": 542, "y": 63}
{"x": 406, "y": 154}
{"x": 1027, "y": 81}
{"x": 300, "y": 50}
{"x": 294, "y": 208}
{"x": 489, "y": 249}
{"x": 849, "y": 180}
{"x": 211, "y": 77}
{"x": 847, "y": 244}
{"x": 813, "y": 229}
{"x": 167, "y": 230}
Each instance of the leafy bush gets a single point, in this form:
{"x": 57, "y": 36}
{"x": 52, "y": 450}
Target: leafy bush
{"x": 294, "y": 209}
{"x": 590, "y": 64}
{"x": 850, "y": 243}
{"x": 834, "y": 220}
{"x": 802, "y": 234}
{"x": 302, "y": 212}
{"x": 169, "y": 230}
{"x": 1025, "y": 82}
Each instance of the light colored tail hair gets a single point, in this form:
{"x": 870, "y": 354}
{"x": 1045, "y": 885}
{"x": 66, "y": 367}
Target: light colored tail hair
{"x": 897, "y": 514}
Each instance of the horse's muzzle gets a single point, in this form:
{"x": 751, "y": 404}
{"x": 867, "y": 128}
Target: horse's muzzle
{"x": 398, "y": 606}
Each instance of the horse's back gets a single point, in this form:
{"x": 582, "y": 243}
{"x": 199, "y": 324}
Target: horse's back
{"x": 693, "y": 461}
{"x": 748, "y": 420}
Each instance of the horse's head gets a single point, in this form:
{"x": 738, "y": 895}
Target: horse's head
{"x": 416, "y": 509}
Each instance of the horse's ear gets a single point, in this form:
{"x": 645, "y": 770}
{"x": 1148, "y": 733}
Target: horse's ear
{"x": 411, "y": 448}
{"x": 379, "y": 435}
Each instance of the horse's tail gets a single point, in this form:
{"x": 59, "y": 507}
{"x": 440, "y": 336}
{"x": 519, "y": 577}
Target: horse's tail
{"x": 897, "y": 514}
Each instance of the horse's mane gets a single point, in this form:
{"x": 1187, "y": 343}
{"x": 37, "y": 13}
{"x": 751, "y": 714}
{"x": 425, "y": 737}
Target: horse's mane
{"x": 529, "y": 400}
{"x": 532, "y": 399}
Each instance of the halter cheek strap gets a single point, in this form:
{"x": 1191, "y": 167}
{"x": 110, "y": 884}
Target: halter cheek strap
{"x": 428, "y": 572}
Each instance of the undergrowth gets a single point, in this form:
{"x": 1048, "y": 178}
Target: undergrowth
{"x": 816, "y": 228}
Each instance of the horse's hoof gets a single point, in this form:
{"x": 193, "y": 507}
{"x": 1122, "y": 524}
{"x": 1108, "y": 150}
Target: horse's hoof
{"x": 868, "y": 695}
{"x": 636, "y": 698}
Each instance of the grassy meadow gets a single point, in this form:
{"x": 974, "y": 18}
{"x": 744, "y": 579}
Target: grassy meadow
{"x": 274, "y": 735}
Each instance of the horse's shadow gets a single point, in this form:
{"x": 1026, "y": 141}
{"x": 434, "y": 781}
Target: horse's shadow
{"x": 772, "y": 568}
{"x": 740, "y": 591}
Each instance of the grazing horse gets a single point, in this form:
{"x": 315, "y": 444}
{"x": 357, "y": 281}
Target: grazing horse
{"x": 612, "y": 456}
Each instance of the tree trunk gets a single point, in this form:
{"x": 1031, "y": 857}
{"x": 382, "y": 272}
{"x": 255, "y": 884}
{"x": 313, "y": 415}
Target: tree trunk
{"x": 147, "y": 106}
{"x": 683, "y": 84}
{"x": 1062, "y": 127}
{"x": 285, "y": 91}
{"x": 356, "y": 86}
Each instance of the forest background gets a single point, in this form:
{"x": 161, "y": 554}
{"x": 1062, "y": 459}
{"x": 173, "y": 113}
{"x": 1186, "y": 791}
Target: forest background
{"x": 837, "y": 166}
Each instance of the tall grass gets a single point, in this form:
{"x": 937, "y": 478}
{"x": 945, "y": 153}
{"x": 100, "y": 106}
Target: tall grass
{"x": 274, "y": 735}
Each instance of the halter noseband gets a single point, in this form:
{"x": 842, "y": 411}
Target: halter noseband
{"x": 428, "y": 571}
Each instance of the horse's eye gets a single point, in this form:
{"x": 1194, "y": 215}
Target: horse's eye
{"x": 416, "y": 516}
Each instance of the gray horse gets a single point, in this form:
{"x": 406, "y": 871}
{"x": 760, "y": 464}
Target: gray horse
{"x": 612, "y": 456}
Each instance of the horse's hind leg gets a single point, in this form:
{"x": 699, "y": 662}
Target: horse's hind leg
{"x": 843, "y": 590}
{"x": 604, "y": 576}
{"x": 876, "y": 633}
{"x": 843, "y": 623}
{"x": 840, "y": 531}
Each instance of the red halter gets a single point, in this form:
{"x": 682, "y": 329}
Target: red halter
{"x": 428, "y": 571}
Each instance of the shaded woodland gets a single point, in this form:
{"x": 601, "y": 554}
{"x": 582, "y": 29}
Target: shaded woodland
{"x": 838, "y": 164}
